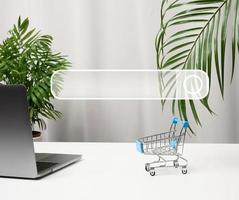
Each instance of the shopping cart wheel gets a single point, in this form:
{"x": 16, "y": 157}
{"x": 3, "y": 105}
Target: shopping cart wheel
{"x": 175, "y": 164}
{"x": 184, "y": 171}
{"x": 152, "y": 173}
{"x": 147, "y": 167}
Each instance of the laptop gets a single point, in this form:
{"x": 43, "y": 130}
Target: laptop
{"x": 17, "y": 156}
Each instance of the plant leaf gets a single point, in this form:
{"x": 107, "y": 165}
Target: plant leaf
{"x": 201, "y": 45}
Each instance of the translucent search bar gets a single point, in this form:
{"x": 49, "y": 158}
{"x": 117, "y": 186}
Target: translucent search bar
{"x": 129, "y": 84}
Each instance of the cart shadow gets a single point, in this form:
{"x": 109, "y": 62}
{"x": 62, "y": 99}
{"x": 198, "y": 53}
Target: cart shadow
{"x": 169, "y": 171}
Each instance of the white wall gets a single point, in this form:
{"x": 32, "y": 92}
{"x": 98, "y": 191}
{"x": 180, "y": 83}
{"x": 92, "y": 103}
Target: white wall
{"x": 113, "y": 34}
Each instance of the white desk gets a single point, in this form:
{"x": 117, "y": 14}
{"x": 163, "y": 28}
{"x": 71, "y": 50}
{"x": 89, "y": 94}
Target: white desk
{"x": 115, "y": 171}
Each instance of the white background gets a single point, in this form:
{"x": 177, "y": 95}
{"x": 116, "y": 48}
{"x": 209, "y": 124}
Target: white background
{"x": 114, "y": 34}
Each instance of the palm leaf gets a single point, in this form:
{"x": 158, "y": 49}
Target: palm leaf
{"x": 199, "y": 43}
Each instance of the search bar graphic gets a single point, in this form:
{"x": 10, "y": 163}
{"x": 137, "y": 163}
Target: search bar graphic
{"x": 129, "y": 84}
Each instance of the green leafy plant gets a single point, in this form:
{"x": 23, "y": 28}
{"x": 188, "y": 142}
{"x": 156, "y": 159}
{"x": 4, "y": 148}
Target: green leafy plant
{"x": 195, "y": 34}
{"x": 26, "y": 58}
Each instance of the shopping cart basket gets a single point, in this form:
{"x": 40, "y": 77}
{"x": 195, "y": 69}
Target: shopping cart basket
{"x": 168, "y": 147}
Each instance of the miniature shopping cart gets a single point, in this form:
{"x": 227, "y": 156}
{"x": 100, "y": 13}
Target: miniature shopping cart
{"x": 168, "y": 147}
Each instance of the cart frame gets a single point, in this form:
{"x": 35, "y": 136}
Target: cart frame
{"x": 167, "y": 146}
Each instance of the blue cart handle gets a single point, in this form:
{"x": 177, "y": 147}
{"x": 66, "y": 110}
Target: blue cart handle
{"x": 175, "y": 120}
{"x": 185, "y": 124}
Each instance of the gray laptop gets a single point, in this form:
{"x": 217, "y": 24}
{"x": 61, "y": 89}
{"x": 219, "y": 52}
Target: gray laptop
{"x": 17, "y": 157}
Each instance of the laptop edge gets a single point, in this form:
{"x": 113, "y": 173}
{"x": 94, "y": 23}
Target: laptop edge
{"x": 17, "y": 156}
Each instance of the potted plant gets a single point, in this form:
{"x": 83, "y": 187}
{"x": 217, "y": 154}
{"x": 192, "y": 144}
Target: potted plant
{"x": 26, "y": 57}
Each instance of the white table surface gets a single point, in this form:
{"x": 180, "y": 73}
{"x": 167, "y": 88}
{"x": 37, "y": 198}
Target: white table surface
{"x": 115, "y": 171}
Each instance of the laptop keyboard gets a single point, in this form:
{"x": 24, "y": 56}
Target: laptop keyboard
{"x": 44, "y": 165}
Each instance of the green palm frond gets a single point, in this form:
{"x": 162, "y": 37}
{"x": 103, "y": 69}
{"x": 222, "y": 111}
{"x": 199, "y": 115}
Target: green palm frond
{"x": 194, "y": 34}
